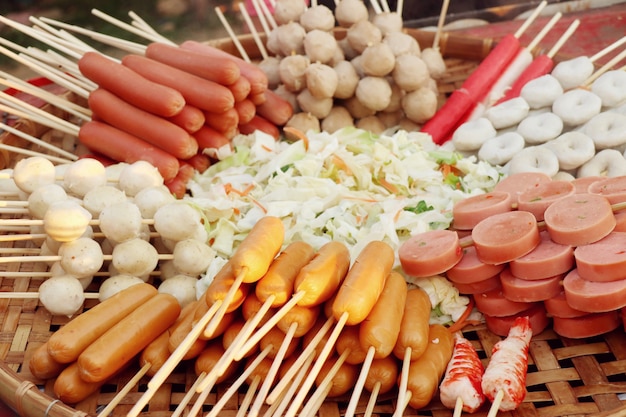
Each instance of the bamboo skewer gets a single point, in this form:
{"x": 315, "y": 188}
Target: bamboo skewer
{"x": 231, "y": 33}
{"x": 68, "y": 156}
{"x": 253, "y": 31}
{"x": 440, "y": 23}
{"x": 606, "y": 67}
{"x": 262, "y": 17}
{"x": 130, "y": 28}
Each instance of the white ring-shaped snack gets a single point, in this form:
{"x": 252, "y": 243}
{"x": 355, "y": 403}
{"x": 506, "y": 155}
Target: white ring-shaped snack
{"x": 607, "y": 129}
{"x": 573, "y": 72}
{"x": 500, "y": 149}
{"x": 606, "y": 163}
{"x": 541, "y": 92}
{"x": 576, "y": 107}
{"x": 611, "y": 87}
{"x": 472, "y": 134}
{"x": 540, "y": 128}
{"x": 572, "y": 149}
{"x": 508, "y": 113}
{"x": 620, "y": 108}
{"x": 534, "y": 159}
{"x": 563, "y": 176}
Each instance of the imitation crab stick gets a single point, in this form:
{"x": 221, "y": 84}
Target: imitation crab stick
{"x": 130, "y": 86}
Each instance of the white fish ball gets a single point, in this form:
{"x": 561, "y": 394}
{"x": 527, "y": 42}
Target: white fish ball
{"x": 320, "y": 46}
{"x": 177, "y": 221}
{"x": 81, "y": 257}
{"x": 96, "y": 199}
{"x": 317, "y": 17}
{"x": 388, "y": 22}
{"x": 402, "y": 43}
{"x": 121, "y": 221}
{"x": 192, "y": 257}
{"x": 66, "y": 220}
{"x": 62, "y": 295}
{"x": 348, "y": 12}
{"x": 150, "y": 199}
{"x": 182, "y": 287}
{"x": 135, "y": 257}
{"x": 137, "y": 176}
{"x": 33, "y": 172}
{"x": 84, "y": 175}
{"x": 115, "y": 284}
{"x": 42, "y": 197}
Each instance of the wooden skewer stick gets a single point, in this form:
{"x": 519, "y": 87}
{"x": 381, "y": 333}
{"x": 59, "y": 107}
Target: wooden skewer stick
{"x": 278, "y": 407}
{"x": 129, "y": 28}
{"x": 33, "y": 251}
{"x": 174, "y": 359}
{"x": 606, "y": 67}
{"x": 371, "y": 403}
{"x": 495, "y": 405}
{"x": 247, "y": 399}
{"x": 54, "y": 99}
{"x": 404, "y": 376}
{"x": 324, "y": 387}
{"x": 564, "y": 38}
{"x": 262, "y": 18}
{"x": 402, "y": 406}
{"x": 52, "y": 68}
{"x": 22, "y": 151}
{"x": 54, "y": 258}
{"x": 385, "y": 6}
{"x": 233, "y": 36}
{"x": 46, "y": 274}
{"x": 400, "y": 7}
{"x": 458, "y": 407}
{"x": 187, "y": 398}
{"x": 202, "y": 396}
{"x": 71, "y": 41}
{"x": 608, "y": 49}
{"x": 137, "y": 21}
{"x": 18, "y": 295}
{"x": 125, "y": 390}
{"x": 360, "y": 382}
{"x": 235, "y": 385}
{"x": 292, "y": 371}
{"x": 267, "y": 13}
{"x": 530, "y": 19}
{"x": 68, "y": 156}
{"x": 376, "y": 6}
{"x": 440, "y": 23}
{"x": 254, "y": 32}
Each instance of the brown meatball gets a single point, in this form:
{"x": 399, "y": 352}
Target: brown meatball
{"x": 374, "y": 92}
{"x": 321, "y": 80}
{"x": 348, "y": 12}
{"x": 420, "y": 105}
{"x": 347, "y": 80}
{"x": 338, "y": 118}
{"x": 292, "y": 70}
{"x": 362, "y": 34}
{"x": 410, "y": 72}
{"x": 378, "y": 60}
{"x": 318, "y": 17}
{"x": 320, "y": 46}
{"x": 304, "y": 122}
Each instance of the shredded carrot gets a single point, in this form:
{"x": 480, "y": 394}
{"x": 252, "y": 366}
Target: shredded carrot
{"x": 267, "y": 148}
{"x": 388, "y": 186}
{"x": 228, "y": 187}
{"x": 462, "y": 321}
{"x": 298, "y": 134}
{"x": 341, "y": 164}
{"x": 397, "y": 216}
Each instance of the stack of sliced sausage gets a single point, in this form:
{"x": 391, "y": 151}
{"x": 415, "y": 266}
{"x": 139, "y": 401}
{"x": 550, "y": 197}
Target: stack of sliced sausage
{"x": 176, "y": 107}
{"x": 564, "y": 260}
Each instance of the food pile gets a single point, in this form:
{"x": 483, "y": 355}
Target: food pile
{"x": 537, "y": 247}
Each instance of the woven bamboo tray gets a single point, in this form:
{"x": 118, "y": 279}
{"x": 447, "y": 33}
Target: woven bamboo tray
{"x": 565, "y": 377}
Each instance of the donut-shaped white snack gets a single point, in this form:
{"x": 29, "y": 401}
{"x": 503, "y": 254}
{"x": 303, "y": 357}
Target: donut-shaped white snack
{"x": 606, "y": 163}
{"x": 472, "y": 134}
{"x": 508, "y": 113}
{"x": 572, "y": 149}
{"x": 541, "y": 91}
{"x": 500, "y": 149}
{"x": 534, "y": 159}
{"x": 576, "y": 107}
{"x": 573, "y": 72}
{"x": 611, "y": 87}
{"x": 540, "y": 128}
{"x": 607, "y": 129}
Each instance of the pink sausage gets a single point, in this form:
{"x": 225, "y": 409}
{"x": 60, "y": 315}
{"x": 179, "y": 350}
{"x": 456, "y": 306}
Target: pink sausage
{"x": 479, "y": 286}
{"x": 516, "y": 184}
{"x": 581, "y": 184}
{"x": 468, "y": 212}
{"x": 546, "y": 260}
{"x": 593, "y": 297}
{"x": 470, "y": 269}
{"x": 517, "y": 289}
{"x": 614, "y": 188}
{"x": 505, "y": 236}
{"x": 536, "y": 314}
{"x": 604, "y": 260}
{"x": 536, "y": 200}
{"x": 430, "y": 253}
{"x": 494, "y": 303}
{"x": 557, "y": 306}
{"x": 620, "y": 221}
{"x": 589, "y": 325}
{"x": 579, "y": 219}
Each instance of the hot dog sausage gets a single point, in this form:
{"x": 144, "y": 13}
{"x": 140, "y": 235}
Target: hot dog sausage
{"x": 246, "y": 110}
{"x": 274, "y": 339}
{"x": 209, "y": 138}
{"x": 275, "y": 109}
{"x": 218, "y": 69}
{"x": 42, "y": 365}
{"x": 124, "y": 147}
{"x": 381, "y": 328}
{"x": 219, "y": 287}
{"x": 318, "y": 280}
{"x": 256, "y": 252}
{"x": 343, "y": 379}
{"x": 262, "y": 124}
{"x": 426, "y": 372}
{"x": 189, "y": 118}
{"x": 303, "y": 317}
{"x": 70, "y": 388}
{"x": 115, "y": 348}
{"x": 224, "y": 122}
{"x": 279, "y": 279}
{"x": 70, "y": 340}
{"x": 383, "y": 373}
{"x": 202, "y": 93}
{"x": 364, "y": 282}
{"x": 209, "y": 357}
{"x": 156, "y": 353}
{"x": 155, "y": 130}
{"x": 130, "y": 86}
{"x": 348, "y": 343}
{"x": 414, "y": 326}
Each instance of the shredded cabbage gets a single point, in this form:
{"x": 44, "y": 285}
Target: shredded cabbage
{"x": 352, "y": 186}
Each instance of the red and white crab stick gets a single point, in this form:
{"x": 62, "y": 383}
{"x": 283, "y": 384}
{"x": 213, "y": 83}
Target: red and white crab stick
{"x": 541, "y": 65}
{"x": 476, "y": 86}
